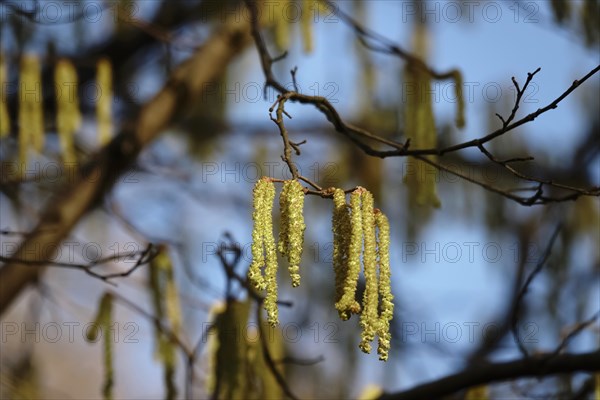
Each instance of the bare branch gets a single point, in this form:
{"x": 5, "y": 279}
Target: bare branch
{"x": 480, "y": 374}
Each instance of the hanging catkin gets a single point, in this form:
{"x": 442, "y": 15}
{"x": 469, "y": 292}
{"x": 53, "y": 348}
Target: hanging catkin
{"x": 68, "y": 117}
{"x": 291, "y": 234}
{"x": 104, "y": 101}
{"x": 4, "y": 117}
{"x": 31, "y": 114}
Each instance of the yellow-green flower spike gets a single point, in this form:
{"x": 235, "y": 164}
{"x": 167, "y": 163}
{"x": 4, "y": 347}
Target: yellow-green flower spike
{"x": 68, "y": 116}
{"x": 31, "y": 114}
{"x": 4, "y": 117}
{"x": 258, "y": 216}
{"x": 348, "y": 304}
{"x": 385, "y": 285}
{"x": 306, "y": 26}
{"x": 340, "y": 225}
{"x": 264, "y": 253}
{"x": 282, "y": 25}
{"x": 294, "y": 222}
{"x": 369, "y": 316}
{"x": 104, "y": 102}
{"x": 270, "y": 278}
{"x": 283, "y": 243}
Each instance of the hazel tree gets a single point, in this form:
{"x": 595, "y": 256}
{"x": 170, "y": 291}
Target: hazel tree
{"x": 220, "y": 328}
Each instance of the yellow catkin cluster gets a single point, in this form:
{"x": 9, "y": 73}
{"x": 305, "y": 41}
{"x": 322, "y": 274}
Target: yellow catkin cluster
{"x": 31, "y": 114}
{"x": 263, "y": 269}
{"x": 68, "y": 116}
{"x": 4, "y": 117}
{"x": 291, "y": 234}
{"x": 104, "y": 102}
{"x": 363, "y": 230}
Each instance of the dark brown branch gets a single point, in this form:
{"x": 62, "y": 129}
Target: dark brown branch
{"x": 536, "y": 366}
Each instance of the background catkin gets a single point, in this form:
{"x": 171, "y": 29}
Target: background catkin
{"x": 31, "y": 114}
{"x": 104, "y": 103}
{"x": 68, "y": 116}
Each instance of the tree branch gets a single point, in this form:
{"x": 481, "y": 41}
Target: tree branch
{"x": 539, "y": 366}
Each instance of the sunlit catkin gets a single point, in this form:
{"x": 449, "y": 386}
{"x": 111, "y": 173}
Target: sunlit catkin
{"x": 291, "y": 234}
{"x": 264, "y": 255}
{"x": 31, "y": 114}
{"x": 255, "y": 272}
{"x": 348, "y": 305}
{"x": 340, "y": 225}
{"x": 104, "y": 101}
{"x": 369, "y": 315}
{"x": 68, "y": 117}
{"x": 386, "y": 306}
{"x": 271, "y": 258}
{"x": 4, "y": 117}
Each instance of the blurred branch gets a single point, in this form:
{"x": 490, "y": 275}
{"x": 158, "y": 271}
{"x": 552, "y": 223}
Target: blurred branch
{"x": 187, "y": 82}
{"x": 580, "y": 327}
{"x": 143, "y": 258}
{"x": 535, "y": 366}
{"x": 523, "y": 291}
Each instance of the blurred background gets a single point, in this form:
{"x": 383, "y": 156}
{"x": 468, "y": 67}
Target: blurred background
{"x": 453, "y": 267}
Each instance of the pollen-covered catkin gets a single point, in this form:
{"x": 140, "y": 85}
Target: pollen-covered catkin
{"x": 340, "y": 225}
{"x": 348, "y": 304}
{"x": 270, "y": 278}
{"x": 369, "y": 315}
{"x": 385, "y": 285}
{"x": 282, "y": 242}
{"x": 291, "y": 235}
{"x": 260, "y": 213}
